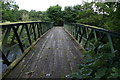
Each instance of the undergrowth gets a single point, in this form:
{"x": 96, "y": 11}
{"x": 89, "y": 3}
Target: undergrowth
{"x": 99, "y": 64}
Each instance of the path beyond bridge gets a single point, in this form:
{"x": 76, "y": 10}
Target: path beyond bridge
{"x": 55, "y": 55}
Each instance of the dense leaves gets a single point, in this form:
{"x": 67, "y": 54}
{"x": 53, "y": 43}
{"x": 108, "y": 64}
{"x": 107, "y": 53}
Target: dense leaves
{"x": 54, "y": 13}
{"x": 105, "y": 15}
{"x": 11, "y": 13}
{"x": 99, "y": 65}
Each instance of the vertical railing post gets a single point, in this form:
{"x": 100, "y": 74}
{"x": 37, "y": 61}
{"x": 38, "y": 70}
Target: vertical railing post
{"x": 38, "y": 30}
{"x": 95, "y": 35}
{"x": 41, "y": 29}
{"x": 100, "y": 40}
{"x": 28, "y": 34}
{"x": 76, "y": 31}
{"x": 11, "y": 43}
{"x": 72, "y": 30}
{"x": 89, "y": 36}
{"x": 111, "y": 43}
{"x": 6, "y": 37}
{"x": 5, "y": 60}
{"x": 45, "y": 27}
{"x": 33, "y": 26}
{"x": 18, "y": 39}
{"x": 83, "y": 28}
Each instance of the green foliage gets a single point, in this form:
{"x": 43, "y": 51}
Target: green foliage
{"x": 69, "y": 14}
{"x": 24, "y": 15}
{"x": 54, "y": 13}
{"x": 44, "y": 16}
{"x": 99, "y": 65}
{"x": 105, "y": 15}
{"x": 113, "y": 21}
{"x": 35, "y": 15}
{"x": 10, "y": 11}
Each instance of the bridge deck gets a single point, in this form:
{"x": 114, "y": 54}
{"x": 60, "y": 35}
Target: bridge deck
{"x": 54, "y": 56}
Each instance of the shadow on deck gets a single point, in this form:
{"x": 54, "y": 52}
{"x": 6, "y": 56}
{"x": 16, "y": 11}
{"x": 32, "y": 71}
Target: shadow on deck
{"x": 56, "y": 55}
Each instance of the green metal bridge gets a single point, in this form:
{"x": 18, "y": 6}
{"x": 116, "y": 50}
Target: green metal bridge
{"x": 41, "y": 50}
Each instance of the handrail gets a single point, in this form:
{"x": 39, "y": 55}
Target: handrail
{"x": 97, "y": 28}
{"x": 18, "y": 36}
{"x": 20, "y": 23}
{"x": 103, "y": 30}
{"x": 88, "y": 36}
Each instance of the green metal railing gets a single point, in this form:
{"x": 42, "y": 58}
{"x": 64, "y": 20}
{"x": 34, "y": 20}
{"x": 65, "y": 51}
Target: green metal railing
{"x": 91, "y": 37}
{"x": 17, "y": 37}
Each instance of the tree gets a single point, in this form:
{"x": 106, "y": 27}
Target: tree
{"x": 69, "y": 14}
{"x": 24, "y": 15}
{"x": 10, "y": 11}
{"x": 44, "y": 16}
{"x": 113, "y": 19}
{"x": 54, "y": 13}
{"x": 35, "y": 15}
